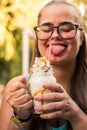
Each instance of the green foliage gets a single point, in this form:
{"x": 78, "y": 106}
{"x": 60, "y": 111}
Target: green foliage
{"x": 12, "y": 67}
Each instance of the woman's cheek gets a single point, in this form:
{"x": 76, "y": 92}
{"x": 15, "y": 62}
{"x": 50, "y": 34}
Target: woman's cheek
{"x": 42, "y": 48}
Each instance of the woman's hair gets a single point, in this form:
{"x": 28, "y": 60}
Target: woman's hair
{"x": 78, "y": 90}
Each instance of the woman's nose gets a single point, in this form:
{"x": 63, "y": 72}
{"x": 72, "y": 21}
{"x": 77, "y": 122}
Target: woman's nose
{"x": 55, "y": 34}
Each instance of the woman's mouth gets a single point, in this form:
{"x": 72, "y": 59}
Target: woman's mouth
{"x": 57, "y": 49}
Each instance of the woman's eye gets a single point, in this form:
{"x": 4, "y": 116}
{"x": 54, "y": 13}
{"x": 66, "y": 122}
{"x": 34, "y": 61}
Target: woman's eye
{"x": 46, "y": 29}
{"x": 67, "y": 28}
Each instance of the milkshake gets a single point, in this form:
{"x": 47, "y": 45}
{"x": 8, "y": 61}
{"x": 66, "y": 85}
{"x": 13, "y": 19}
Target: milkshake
{"x": 40, "y": 73}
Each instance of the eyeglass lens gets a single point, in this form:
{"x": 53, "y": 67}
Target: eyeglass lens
{"x": 67, "y": 31}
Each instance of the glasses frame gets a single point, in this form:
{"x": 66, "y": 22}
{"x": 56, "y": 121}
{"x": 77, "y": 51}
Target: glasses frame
{"x": 77, "y": 27}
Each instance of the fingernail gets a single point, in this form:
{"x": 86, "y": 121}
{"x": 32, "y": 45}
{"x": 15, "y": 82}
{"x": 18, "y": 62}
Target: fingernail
{"x": 42, "y": 116}
{"x": 37, "y": 98}
{"x": 44, "y": 86}
{"x": 36, "y": 108}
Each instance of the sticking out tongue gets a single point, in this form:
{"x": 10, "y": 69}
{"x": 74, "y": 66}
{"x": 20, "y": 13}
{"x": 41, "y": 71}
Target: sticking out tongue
{"x": 56, "y": 49}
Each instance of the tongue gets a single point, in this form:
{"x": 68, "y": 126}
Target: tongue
{"x": 56, "y": 49}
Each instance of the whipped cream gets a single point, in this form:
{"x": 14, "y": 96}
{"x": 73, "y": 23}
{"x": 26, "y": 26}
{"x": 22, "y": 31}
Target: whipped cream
{"x": 41, "y": 65}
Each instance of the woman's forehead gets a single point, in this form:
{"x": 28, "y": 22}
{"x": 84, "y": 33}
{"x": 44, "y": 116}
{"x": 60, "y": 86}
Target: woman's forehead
{"x": 58, "y": 8}
{"x": 57, "y": 12}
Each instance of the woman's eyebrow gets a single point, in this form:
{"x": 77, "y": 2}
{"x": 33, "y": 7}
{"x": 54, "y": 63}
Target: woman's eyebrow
{"x": 47, "y": 23}
{"x": 51, "y": 24}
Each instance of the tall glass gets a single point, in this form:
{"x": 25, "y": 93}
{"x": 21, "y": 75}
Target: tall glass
{"x": 35, "y": 86}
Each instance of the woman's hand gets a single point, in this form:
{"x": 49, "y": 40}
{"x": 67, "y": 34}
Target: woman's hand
{"x": 61, "y": 104}
{"x": 17, "y": 95}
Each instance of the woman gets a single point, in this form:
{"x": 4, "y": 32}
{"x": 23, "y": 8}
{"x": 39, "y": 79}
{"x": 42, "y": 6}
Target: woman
{"x": 60, "y": 37}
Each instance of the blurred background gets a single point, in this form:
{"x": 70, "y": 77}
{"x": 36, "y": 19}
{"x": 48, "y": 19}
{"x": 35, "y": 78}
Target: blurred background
{"x": 17, "y": 19}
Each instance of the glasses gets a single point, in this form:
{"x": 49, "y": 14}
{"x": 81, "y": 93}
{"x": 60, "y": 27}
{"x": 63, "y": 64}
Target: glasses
{"x": 65, "y": 30}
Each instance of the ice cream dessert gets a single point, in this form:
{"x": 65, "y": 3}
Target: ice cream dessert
{"x": 40, "y": 73}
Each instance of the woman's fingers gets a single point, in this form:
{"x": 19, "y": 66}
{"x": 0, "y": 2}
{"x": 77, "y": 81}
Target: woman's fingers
{"x": 55, "y": 87}
{"x": 54, "y": 114}
{"x": 17, "y": 94}
{"x": 16, "y": 81}
{"x": 19, "y": 100}
{"x": 50, "y": 107}
{"x": 51, "y": 96}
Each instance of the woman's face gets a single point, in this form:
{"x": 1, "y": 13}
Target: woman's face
{"x": 56, "y": 49}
